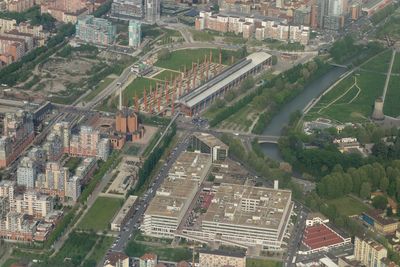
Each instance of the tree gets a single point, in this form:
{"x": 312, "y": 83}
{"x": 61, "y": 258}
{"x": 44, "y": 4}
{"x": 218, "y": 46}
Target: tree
{"x": 380, "y": 150}
{"x": 379, "y": 202}
{"x": 274, "y": 60}
{"x": 384, "y": 184}
{"x": 365, "y": 190}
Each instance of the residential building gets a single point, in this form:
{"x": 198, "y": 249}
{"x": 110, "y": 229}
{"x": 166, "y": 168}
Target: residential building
{"x": 116, "y": 259}
{"x": 54, "y": 182}
{"x": 54, "y": 147}
{"x": 34, "y": 204}
{"x": 17, "y": 226}
{"x": 62, "y": 129}
{"x": 89, "y": 144}
{"x": 148, "y": 260}
{"x": 27, "y": 173}
{"x": 127, "y": 9}
{"x": 167, "y": 209}
{"x": 18, "y": 134}
{"x": 209, "y": 144}
{"x": 369, "y": 252}
{"x": 95, "y": 30}
{"x": 135, "y": 33}
{"x": 19, "y": 5}
{"x": 380, "y": 222}
{"x": 222, "y": 258}
{"x": 68, "y": 11}
{"x": 73, "y": 187}
{"x": 124, "y": 214}
{"x": 7, "y": 25}
{"x": 152, "y": 11}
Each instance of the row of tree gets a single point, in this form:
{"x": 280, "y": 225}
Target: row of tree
{"x": 362, "y": 181}
{"x": 384, "y": 13}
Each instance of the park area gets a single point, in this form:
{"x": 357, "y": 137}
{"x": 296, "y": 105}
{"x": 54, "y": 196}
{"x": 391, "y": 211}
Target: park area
{"x": 343, "y": 207}
{"x": 352, "y": 99}
{"x": 99, "y": 216}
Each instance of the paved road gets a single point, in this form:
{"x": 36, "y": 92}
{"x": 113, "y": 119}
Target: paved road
{"x": 133, "y": 223}
{"x": 297, "y": 235}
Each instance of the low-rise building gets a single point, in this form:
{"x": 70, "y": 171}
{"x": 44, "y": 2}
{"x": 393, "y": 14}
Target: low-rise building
{"x": 209, "y": 144}
{"x": 379, "y": 222}
{"x": 124, "y": 214}
{"x": 148, "y": 260}
{"x": 116, "y": 259}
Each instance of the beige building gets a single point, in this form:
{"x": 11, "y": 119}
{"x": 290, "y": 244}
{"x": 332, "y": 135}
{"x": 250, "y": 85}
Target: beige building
{"x": 221, "y": 259}
{"x": 116, "y": 259}
{"x": 124, "y": 213}
{"x": 167, "y": 209}
{"x": 209, "y": 144}
{"x": 34, "y": 204}
{"x": 369, "y": 252}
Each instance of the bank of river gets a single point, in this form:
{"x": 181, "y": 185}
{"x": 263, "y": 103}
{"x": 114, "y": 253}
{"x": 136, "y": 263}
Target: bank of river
{"x": 313, "y": 90}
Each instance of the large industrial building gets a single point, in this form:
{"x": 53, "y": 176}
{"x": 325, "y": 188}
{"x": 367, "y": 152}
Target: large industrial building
{"x": 173, "y": 198}
{"x": 202, "y": 96}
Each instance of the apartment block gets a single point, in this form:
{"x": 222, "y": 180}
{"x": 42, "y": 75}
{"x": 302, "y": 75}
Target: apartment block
{"x": 54, "y": 181}
{"x": 135, "y": 33}
{"x": 18, "y": 134}
{"x": 34, "y": 204}
{"x": 89, "y": 144}
{"x": 95, "y": 30}
{"x": 369, "y": 252}
{"x": 18, "y": 227}
{"x": 27, "y": 172}
{"x": 54, "y": 147}
{"x": 19, "y": 5}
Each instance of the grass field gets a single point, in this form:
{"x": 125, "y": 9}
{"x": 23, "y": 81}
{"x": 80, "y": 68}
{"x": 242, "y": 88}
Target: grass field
{"x": 380, "y": 63}
{"x": 136, "y": 87}
{"x": 100, "y": 87}
{"x": 391, "y": 106}
{"x": 396, "y": 64}
{"x": 166, "y": 75}
{"x": 103, "y": 243}
{"x": 346, "y": 103}
{"x": 100, "y": 214}
{"x": 136, "y": 249}
{"x": 262, "y": 263}
{"x": 343, "y": 207}
{"x": 202, "y": 36}
{"x": 181, "y": 58}
{"x": 76, "y": 247}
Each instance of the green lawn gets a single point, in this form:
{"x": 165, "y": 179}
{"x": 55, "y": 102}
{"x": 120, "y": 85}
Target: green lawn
{"x": 348, "y": 206}
{"x": 103, "y": 244}
{"x": 262, "y": 263}
{"x": 136, "y": 87}
{"x": 136, "y": 249}
{"x": 166, "y": 75}
{"x": 379, "y": 63}
{"x": 396, "y": 64}
{"x": 100, "y": 214}
{"x": 181, "y": 58}
{"x": 392, "y": 106}
{"x": 341, "y": 108}
{"x": 202, "y": 36}
{"x": 10, "y": 262}
{"x": 100, "y": 87}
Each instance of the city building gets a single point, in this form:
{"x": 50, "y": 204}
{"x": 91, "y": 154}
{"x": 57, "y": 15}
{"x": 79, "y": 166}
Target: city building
{"x": 54, "y": 181}
{"x": 379, "y": 222}
{"x": 95, "y": 30}
{"x": 222, "y": 259}
{"x": 171, "y": 201}
{"x": 18, "y": 134}
{"x": 54, "y": 147}
{"x": 135, "y": 33}
{"x": 33, "y": 203}
{"x": 124, "y": 214}
{"x": 148, "y": 260}
{"x": 369, "y": 252}
{"x": 152, "y": 10}
{"x": 19, "y": 5}
{"x": 127, "y": 9}
{"x": 245, "y": 216}
{"x": 201, "y": 97}
{"x": 116, "y": 259}
{"x": 16, "y": 226}
{"x": 89, "y": 144}
{"x": 62, "y": 129}
{"x": 209, "y": 144}
{"x": 67, "y": 11}
{"x": 320, "y": 237}
{"x": 27, "y": 172}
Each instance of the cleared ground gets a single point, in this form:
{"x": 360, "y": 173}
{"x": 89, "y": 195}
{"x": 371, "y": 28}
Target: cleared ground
{"x": 99, "y": 216}
{"x": 344, "y": 207}
{"x": 262, "y": 263}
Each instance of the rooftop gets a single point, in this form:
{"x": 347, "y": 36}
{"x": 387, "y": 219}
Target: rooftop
{"x": 318, "y": 236}
{"x": 210, "y": 140}
{"x": 114, "y": 257}
{"x": 248, "y": 206}
{"x": 190, "y": 165}
{"x": 124, "y": 210}
{"x": 236, "y": 254}
{"x": 227, "y": 76}
{"x": 377, "y": 216}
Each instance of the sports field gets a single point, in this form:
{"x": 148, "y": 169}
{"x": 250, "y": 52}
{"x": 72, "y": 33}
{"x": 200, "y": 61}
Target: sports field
{"x": 343, "y": 207}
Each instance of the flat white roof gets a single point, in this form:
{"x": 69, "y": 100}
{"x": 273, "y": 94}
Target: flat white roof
{"x": 208, "y": 88}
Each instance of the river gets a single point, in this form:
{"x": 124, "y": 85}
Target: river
{"x": 281, "y": 119}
